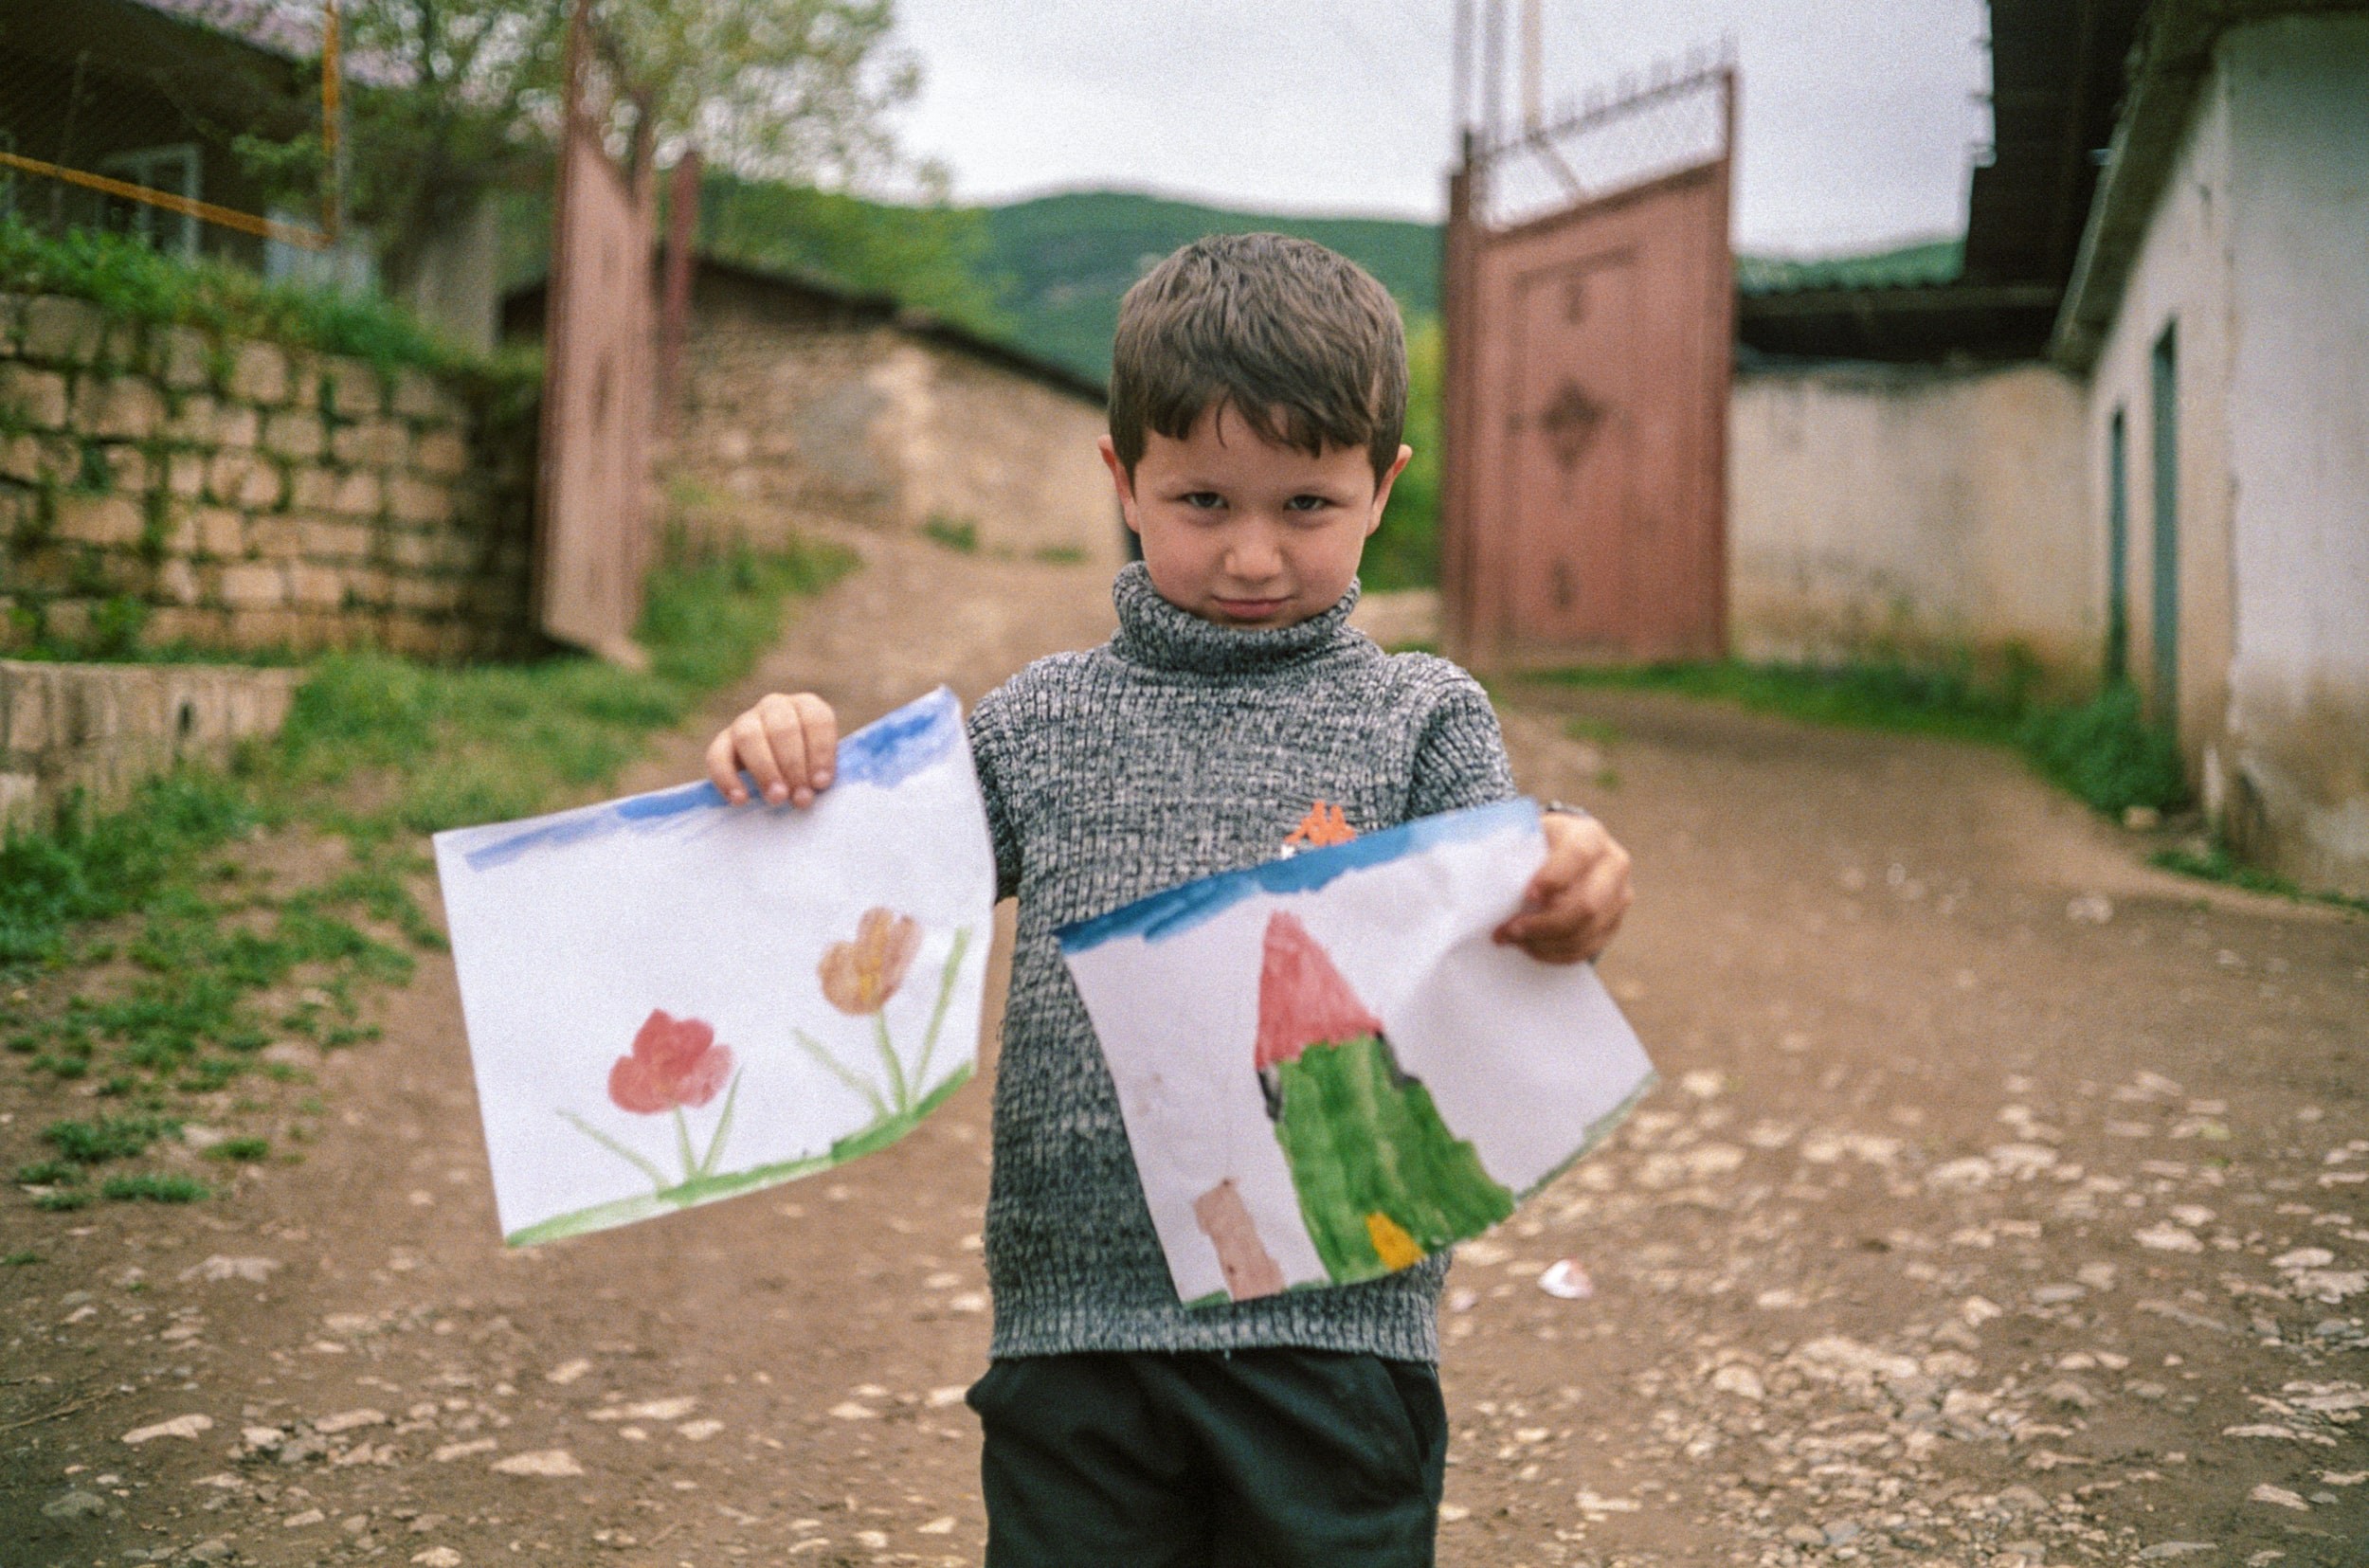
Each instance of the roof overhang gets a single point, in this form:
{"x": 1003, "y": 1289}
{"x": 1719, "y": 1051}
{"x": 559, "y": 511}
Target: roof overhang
{"x": 2173, "y": 60}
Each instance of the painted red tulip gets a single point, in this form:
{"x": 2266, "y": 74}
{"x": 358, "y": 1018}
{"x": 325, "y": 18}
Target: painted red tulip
{"x": 858, "y": 976}
{"x": 675, "y": 1062}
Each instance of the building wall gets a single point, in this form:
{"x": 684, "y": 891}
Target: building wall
{"x": 2296, "y": 763}
{"x": 815, "y": 413}
{"x": 2259, "y": 251}
{"x": 1879, "y": 509}
{"x": 226, "y": 495}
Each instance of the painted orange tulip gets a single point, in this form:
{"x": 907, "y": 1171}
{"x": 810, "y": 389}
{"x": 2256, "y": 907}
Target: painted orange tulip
{"x": 858, "y": 976}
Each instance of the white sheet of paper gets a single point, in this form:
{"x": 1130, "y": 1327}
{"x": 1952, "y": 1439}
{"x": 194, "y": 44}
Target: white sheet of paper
{"x": 671, "y": 1001}
{"x": 1329, "y": 1070}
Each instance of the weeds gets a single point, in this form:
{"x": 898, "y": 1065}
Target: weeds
{"x": 955, "y": 533}
{"x": 218, "y": 965}
{"x": 155, "y": 1187}
{"x": 2215, "y": 864}
{"x": 2102, "y": 750}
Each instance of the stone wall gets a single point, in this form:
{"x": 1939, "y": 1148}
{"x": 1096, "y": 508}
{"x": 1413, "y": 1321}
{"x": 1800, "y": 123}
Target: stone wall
{"x": 163, "y": 487}
{"x": 800, "y": 406}
{"x": 99, "y": 728}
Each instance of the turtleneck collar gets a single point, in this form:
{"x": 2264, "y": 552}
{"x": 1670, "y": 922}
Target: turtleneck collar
{"x": 1159, "y": 636}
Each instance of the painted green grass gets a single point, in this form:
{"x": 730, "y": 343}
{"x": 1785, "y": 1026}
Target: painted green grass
{"x": 882, "y": 1131}
{"x": 213, "y": 960}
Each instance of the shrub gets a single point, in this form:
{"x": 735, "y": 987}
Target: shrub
{"x": 2105, "y": 751}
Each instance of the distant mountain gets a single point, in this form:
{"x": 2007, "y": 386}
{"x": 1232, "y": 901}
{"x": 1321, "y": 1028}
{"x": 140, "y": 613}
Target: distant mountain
{"x": 1066, "y": 259}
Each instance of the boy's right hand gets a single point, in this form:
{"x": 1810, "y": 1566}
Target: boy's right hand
{"x": 789, "y": 744}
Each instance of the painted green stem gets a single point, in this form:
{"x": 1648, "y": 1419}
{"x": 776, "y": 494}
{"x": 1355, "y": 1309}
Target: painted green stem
{"x": 723, "y": 1125}
{"x": 937, "y": 1013}
{"x": 682, "y": 1146}
{"x": 808, "y": 1043}
{"x": 896, "y": 1068}
{"x": 657, "y": 1182}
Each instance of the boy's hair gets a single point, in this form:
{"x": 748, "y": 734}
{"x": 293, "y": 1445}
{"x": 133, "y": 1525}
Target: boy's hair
{"x": 1304, "y": 343}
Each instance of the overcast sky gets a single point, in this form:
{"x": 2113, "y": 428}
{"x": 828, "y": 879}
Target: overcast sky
{"x": 1858, "y": 116}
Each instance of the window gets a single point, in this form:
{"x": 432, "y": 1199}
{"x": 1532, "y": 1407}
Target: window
{"x": 173, "y": 170}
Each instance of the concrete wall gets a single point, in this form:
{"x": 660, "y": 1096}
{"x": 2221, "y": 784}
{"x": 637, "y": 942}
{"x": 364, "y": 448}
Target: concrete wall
{"x": 814, "y": 413}
{"x": 1879, "y": 509}
{"x": 228, "y": 495}
{"x": 99, "y": 728}
{"x": 2260, "y": 252}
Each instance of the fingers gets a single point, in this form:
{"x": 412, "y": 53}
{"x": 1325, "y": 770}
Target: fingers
{"x": 788, "y": 744}
{"x": 1576, "y": 901}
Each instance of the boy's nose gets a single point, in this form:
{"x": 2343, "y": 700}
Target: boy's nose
{"x": 1254, "y": 555}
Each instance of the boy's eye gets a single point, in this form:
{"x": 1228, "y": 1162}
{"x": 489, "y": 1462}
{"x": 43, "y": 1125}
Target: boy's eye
{"x": 1308, "y": 504}
{"x": 1202, "y": 500}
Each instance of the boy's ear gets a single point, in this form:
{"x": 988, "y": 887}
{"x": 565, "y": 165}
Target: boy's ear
{"x": 1121, "y": 481}
{"x": 1381, "y": 490}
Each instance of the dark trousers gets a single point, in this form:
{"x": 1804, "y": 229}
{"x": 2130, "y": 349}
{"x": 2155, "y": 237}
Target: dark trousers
{"x": 1253, "y": 1459}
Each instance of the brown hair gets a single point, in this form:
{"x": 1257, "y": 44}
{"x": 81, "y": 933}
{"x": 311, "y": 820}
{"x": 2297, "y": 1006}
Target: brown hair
{"x": 1304, "y": 344}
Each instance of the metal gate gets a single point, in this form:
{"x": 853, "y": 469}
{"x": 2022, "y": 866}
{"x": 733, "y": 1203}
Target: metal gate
{"x": 1590, "y": 318}
{"x": 593, "y": 535}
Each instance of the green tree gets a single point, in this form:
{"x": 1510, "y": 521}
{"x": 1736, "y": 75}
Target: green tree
{"x": 1405, "y": 551}
{"x": 452, "y": 99}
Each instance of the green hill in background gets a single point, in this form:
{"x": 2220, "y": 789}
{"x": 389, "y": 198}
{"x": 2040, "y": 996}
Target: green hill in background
{"x": 1064, "y": 260}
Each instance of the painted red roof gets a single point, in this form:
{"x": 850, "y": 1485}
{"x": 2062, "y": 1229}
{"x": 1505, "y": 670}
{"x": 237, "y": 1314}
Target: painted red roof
{"x": 1302, "y": 998}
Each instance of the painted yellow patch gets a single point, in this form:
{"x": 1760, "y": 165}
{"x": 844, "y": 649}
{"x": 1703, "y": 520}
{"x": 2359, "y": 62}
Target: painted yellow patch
{"x": 1397, "y": 1248}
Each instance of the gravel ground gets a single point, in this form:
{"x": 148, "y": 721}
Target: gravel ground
{"x": 2003, "y": 1205}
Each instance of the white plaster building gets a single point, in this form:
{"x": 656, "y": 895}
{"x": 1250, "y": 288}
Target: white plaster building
{"x": 2219, "y": 311}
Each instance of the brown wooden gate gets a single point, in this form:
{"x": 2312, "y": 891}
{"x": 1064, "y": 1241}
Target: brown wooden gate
{"x": 593, "y": 535}
{"x": 1589, "y": 318}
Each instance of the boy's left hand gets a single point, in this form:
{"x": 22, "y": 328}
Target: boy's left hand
{"x": 1572, "y": 906}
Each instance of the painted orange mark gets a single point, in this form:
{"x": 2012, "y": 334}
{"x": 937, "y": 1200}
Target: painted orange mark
{"x": 1396, "y": 1247}
{"x": 1323, "y": 824}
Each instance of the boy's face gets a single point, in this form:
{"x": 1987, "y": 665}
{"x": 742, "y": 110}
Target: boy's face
{"x": 1241, "y": 531}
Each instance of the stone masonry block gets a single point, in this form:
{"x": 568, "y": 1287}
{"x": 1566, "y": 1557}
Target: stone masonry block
{"x": 253, "y": 585}
{"x": 322, "y": 587}
{"x": 427, "y": 593}
{"x": 377, "y": 442}
{"x": 265, "y": 627}
{"x": 372, "y": 585}
{"x": 193, "y": 422}
{"x": 119, "y": 407}
{"x": 181, "y": 357}
{"x": 418, "y": 396}
{"x": 354, "y": 389}
{"x": 334, "y": 538}
{"x": 413, "y": 551}
{"x": 277, "y": 536}
{"x": 185, "y": 474}
{"x": 177, "y": 581}
{"x": 356, "y": 494}
{"x": 99, "y": 519}
{"x": 28, "y": 708}
{"x": 36, "y": 397}
{"x": 442, "y": 453}
{"x": 244, "y": 479}
{"x": 61, "y": 329}
{"x": 237, "y": 425}
{"x": 259, "y": 373}
{"x": 221, "y": 531}
{"x": 417, "y": 501}
{"x": 129, "y": 468}
{"x": 293, "y": 434}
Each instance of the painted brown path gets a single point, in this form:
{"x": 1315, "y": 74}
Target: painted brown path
{"x": 2001, "y": 1198}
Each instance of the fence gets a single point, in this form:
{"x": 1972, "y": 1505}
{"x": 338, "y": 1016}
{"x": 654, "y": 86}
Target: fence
{"x": 205, "y": 127}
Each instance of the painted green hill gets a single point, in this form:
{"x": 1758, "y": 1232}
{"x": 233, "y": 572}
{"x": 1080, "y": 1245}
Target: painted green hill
{"x": 1064, "y": 260}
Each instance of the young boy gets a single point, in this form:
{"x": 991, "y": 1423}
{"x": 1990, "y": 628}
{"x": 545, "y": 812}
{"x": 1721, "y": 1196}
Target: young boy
{"x": 1257, "y": 389}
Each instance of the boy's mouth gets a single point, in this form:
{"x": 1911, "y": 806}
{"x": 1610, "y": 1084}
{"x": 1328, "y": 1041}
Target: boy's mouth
{"x": 1249, "y": 609}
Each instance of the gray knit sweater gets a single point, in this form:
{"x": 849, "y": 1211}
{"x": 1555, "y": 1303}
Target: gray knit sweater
{"x": 1177, "y": 749}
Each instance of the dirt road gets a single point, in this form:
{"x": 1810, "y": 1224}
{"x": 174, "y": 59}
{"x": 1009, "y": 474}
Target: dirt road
{"x": 2004, "y": 1204}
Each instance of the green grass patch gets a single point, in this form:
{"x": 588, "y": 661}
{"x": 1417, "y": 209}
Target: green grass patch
{"x": 2215, "y": 864}
{"x": 108, "y": 1138}
{"x": 240, "y": 1151}
{"x": 217, "y": 963}
{"x": 134, "y": 282}
{"x": 24, "y": 1257}
{"x": 955, "y": 533}
{"x": 1060, "y": 555}
{"x": 155, "y": 1187}
{"x": 2102, "y": 750}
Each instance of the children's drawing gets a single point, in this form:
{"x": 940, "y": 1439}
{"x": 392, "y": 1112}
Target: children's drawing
{"x": 670, "y": 1000}
{"x": 1330, "y": 1072}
